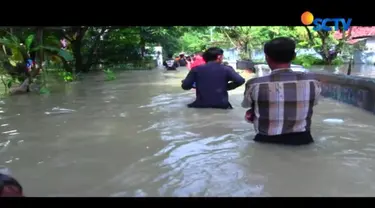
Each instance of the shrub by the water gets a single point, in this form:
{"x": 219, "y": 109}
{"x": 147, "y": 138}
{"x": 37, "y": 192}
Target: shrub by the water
{"x": 110, "y": 75}
{"x": 309, "y": 60}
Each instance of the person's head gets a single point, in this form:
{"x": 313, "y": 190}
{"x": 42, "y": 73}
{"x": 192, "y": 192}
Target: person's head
{"x": 182, "y": 56}
{"x": 280, "y": 52}
{"x": 9, "y": 187}
{"x": 188, "y": 58}
{"x": 170, "y": 56}
{"x": 213, "y": 54}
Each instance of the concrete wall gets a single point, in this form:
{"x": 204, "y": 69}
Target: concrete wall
{"x": 354, "y": 90}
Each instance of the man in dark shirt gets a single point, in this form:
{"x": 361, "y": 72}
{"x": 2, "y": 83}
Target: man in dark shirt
{"x": 182, "y": 60}
{"x": 213, "y": 80}
{"x": 170, "y": 63}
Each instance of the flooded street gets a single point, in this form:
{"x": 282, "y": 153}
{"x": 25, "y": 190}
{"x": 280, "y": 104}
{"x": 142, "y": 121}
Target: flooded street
{"x": 134, "y": 136}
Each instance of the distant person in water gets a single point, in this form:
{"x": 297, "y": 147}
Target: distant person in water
{"x": 177, "y": 58}
{"x": 281, "y": 104}
{"x": 188, "y": 62}
{"x": 170, "y": 63}
{"x": 227, "y": 64}
{"x": 213, "y": 80}
{"x": 198, "y": 60}
{"x": 182, "y": 60}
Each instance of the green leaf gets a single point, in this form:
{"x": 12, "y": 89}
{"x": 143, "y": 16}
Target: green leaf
{"x": 10, "y": 83}
{"x": 29, "y": 40}
{"x": 17, "y": 55}
{"x": 66, "y": 55}
{"x": 13, "y": 63}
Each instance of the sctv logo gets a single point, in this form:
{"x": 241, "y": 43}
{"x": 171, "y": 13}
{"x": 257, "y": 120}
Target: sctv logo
{"x": 307, "y": 18}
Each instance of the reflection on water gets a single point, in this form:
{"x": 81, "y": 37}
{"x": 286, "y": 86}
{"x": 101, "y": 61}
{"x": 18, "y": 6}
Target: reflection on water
{"x": 135, "y": 137}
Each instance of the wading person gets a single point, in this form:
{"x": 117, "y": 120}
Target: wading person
{"x": 197, "y": 60}
{"x": 213, "y": 80}
{"x": 170, "y": 63}
{"x": 281, "y": 103}
{"x": 182, "y": 61}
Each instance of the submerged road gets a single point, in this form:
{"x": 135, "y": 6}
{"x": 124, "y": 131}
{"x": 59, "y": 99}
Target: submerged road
{"x": 134, "y": 136}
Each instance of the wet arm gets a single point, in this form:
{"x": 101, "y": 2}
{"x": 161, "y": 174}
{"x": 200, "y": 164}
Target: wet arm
{"x": 235, "y": 80}
{"x": 188, "y": 82}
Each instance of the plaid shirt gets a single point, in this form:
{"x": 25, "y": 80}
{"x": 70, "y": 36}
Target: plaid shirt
{"x": 282, "y": 101}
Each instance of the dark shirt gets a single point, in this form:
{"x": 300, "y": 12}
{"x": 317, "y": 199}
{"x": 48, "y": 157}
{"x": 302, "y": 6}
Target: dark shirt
{"x": 213, "y": 80}
{"x": 170, "y": 64}
{"x": 182, "y": 62}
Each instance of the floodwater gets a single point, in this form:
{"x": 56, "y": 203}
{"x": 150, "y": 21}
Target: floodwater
{"x": 134, "y": 136}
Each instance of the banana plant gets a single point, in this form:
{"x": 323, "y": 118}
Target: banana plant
{"x": 20, "y": 52}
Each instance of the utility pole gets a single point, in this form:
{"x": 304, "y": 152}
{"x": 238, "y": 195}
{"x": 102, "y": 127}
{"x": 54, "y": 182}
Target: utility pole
{"x": 211, "y": 34}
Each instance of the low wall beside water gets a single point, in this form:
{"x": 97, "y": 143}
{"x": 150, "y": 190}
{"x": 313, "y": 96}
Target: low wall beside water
{"x": 354, "y": 90}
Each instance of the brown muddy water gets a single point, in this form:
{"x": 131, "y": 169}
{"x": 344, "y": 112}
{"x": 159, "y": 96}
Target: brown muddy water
{"x": 135, "y": 137}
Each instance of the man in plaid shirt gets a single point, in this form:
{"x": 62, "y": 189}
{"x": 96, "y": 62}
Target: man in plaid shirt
{"x": 281, "y": 104}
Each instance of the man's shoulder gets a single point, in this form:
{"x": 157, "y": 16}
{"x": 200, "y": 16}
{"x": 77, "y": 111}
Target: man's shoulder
{"x": 257, "y": 80}
{"x": 306, "y": 75}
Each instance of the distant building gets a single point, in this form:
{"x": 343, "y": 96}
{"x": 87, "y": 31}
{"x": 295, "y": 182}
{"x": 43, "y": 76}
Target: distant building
{"x": 365, "y": 35}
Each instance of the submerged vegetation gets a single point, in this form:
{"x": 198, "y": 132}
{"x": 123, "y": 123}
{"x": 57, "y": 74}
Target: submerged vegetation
{"x": 28, "y": 56}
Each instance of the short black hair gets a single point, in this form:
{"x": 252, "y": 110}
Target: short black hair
{"x": 182, "y": 55}
{"x": 211, "y": 54}
{"x": 281, "y": 49}
{"x": 170, "y": 56}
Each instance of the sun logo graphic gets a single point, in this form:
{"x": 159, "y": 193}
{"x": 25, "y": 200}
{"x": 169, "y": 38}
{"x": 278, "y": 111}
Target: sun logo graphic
{"x": 307, "y": 18}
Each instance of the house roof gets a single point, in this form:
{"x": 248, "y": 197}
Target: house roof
{"x": 357, "y": 34}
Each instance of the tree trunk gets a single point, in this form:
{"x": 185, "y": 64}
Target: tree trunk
{"x": 90, "y": 56}
{"x": 328, "y": 55}
{"x": 76, "y": 47}
{"x": 142, "y": 43}
{"x": 66, "y": 65}
{"x": 76, "y": 40}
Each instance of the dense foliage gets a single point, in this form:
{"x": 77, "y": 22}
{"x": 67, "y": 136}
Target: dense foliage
{"x": 109, "y": 48}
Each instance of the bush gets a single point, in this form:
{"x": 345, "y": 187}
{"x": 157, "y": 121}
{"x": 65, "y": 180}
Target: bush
{"x": 308, "y": 60}
{"x": 259, "y": 60}
{"x": 338, "y": 61}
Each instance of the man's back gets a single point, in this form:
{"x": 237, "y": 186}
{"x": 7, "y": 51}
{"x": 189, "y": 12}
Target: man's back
{"x": 212, "y": 84}
{"x": 283, "y": 101}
